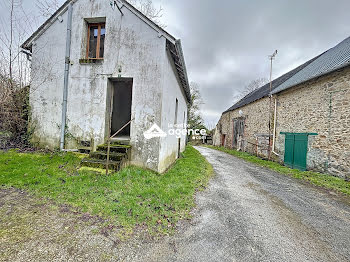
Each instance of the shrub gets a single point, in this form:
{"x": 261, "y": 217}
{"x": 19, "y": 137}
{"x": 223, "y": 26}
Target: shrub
{"x": 14, "y": 114}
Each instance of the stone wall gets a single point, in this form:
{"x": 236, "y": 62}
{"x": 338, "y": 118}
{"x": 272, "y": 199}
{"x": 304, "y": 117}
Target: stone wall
{"x": 320, "y": 106}
{"x": 256, "y": 127}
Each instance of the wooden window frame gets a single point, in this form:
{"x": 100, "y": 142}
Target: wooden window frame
{"x": 99, "y": 25}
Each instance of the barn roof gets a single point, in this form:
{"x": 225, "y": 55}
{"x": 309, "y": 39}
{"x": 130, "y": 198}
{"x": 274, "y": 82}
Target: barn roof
{"x": 333, "y": 59}
{"x": 265, "y": 89}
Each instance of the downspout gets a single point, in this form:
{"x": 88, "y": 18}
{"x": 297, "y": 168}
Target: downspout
{"x": 274, "y": 128}
{"x": 66, "y": 74}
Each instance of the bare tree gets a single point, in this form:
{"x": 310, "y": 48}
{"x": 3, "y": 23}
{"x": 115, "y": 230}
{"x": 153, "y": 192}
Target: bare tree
{"x": 11, "y": 37}
{"x": 149, "y": 10}
{"x": 14, "y": 71}
{"x": 250, "y": 87}
{"x": 194, "y": 118}
{"x": 47, "y": 7}
{"x": 7, "y": 39}
{"x": 15, "y": 26}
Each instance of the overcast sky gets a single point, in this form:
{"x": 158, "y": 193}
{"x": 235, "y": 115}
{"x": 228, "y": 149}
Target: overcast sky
{"x": 226, "y": 43}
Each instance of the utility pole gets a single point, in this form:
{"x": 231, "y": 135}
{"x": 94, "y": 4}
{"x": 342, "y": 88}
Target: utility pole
{"x": 271, "y": 57}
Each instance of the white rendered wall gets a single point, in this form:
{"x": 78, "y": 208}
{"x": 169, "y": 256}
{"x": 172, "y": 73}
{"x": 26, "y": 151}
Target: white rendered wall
{"x": 46, "y": 88}
{"x": 171, "y": 91}
{"x": 131, "y": 45}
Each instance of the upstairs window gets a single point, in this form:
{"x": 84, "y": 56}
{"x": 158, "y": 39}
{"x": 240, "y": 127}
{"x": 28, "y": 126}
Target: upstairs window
{"x": 96, "y": 41}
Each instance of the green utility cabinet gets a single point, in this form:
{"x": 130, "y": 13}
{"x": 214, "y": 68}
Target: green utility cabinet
{"x": 295, "y": 150}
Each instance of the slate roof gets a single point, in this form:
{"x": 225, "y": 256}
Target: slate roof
{"x": 331, "y": 60}
{"x": 265, "y": 89}
{"x": 180, "y": 66}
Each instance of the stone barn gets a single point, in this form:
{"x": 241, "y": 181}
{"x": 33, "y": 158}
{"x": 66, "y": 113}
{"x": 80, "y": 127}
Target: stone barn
{"x": 307, "y": 123}
{"x": 99, "y": 67}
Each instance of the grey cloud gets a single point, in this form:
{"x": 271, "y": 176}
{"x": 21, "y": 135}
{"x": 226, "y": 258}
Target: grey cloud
{"x": 245, "y": 33}
{"x": 227, "y": 42}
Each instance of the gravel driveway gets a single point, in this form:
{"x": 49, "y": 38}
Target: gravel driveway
{"x": 250, "y": 213}
{"x": 247, "y": 213}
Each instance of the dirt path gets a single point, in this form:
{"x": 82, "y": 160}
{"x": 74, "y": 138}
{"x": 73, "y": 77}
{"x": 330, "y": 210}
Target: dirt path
{"x": 35, "y": 230}
{"x": 246, "y": 214}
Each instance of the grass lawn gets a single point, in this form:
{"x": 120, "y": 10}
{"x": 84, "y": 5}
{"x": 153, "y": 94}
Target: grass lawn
{"x": 129, "y": 198}
{"x": 319, "y": 179}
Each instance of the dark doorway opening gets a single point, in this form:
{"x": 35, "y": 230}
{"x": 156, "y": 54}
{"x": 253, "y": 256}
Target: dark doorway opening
{"x": 223, "y": 138}
{"x": 238, "y": 131}
{"x": 121, "y": 106}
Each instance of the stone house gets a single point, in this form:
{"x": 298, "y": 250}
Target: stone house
{"x": 99, "y": 67}
{"x": 306, "y": 124}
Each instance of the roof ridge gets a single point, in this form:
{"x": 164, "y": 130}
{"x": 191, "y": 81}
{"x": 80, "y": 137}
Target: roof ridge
{"x": 64, "y": 5}
{"x": 329, "y": 61}
{"x": 274, "y": 86}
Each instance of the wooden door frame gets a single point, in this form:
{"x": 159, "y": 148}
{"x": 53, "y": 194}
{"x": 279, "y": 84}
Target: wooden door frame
{"x": 109, "y": 103}
{"x": 233, "y": 129}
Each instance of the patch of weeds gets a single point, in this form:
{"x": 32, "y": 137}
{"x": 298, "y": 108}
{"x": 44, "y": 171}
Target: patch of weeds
{"x": 18, "y": 231}
{"x": 315, "y": 178}
{"x": 132, "y": 198}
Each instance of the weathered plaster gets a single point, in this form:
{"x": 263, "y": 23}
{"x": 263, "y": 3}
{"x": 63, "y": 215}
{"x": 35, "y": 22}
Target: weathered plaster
{"x": 169, "y": 144}
{"x": 130, "y": 44}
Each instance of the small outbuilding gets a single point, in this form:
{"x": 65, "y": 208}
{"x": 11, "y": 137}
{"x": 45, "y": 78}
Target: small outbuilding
{"x": 99, "y": 67}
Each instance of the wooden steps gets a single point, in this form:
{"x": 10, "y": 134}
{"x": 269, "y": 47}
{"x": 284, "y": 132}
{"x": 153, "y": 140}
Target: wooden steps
{"x": 84, "y": 149}
{"x": 103, "y": 155}
{"x": 118, "y": 148}
{"x": 118, "y": 156}
{"x": 100, "y": 163}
